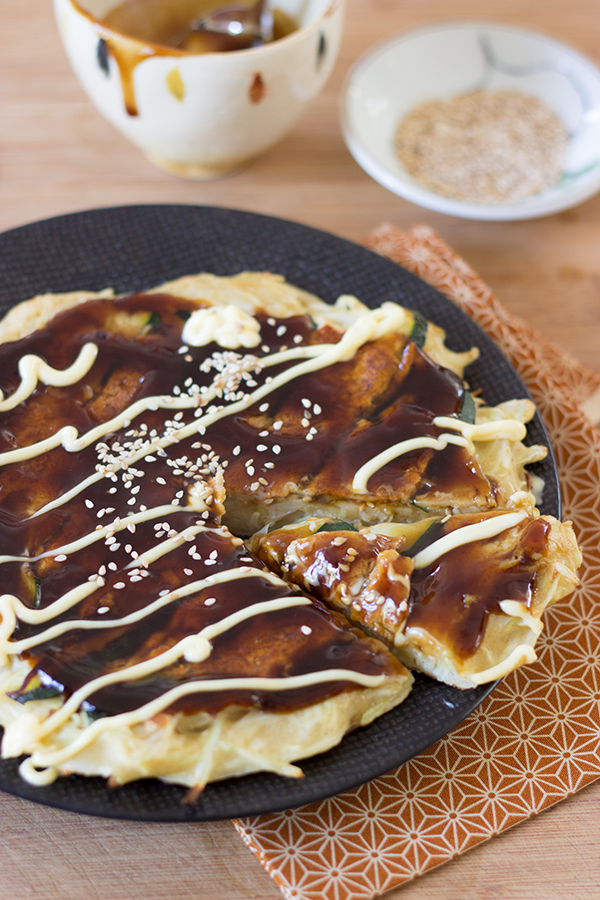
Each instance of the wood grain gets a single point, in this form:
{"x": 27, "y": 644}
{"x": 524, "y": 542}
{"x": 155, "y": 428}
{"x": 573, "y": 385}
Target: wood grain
{"x": 58, "y": 155}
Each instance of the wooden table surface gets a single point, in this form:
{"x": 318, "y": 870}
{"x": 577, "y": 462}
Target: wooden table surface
{"x": 58, "y": 155}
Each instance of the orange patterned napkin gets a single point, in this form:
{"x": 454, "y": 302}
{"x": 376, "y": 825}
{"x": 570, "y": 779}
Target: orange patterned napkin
{"x": 537, "y": 738}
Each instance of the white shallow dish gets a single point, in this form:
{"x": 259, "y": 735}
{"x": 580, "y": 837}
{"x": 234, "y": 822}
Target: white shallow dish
{"x": 452, "y": 58}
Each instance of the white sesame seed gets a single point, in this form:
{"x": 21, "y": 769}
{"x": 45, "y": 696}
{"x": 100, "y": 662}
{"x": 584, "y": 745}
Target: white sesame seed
{"x": 263, "y": 407}
{"x": 297, "y": 338}
{"x": 269, "y": 465}
{"x": 263, "y": 433}
{"x": 188, "y": 571}
{"x": 250, "y": 470}
{"x": 276, "y": 449}
{"x": 119, "y": 585}
{"x": 102, "y": 609}
{"x": 306, "y": 403}
{"x": 317, "y": 409}
{"x": 60, "y": 558}
{"x": 254, "y": 486}
{"x": 261, "y": 448}
{"x": 305, "y": 629}
{"x": 89, "y": 504}
{"x": 210, "y": 601}
{"x": 277, "y": 425}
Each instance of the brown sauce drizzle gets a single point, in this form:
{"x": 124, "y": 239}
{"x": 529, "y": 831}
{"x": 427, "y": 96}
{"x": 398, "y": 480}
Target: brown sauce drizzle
{"x": 452, "y": 598}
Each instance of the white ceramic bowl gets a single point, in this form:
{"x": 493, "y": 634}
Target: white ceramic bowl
{"x": 206, "y": 115}
{"x": 458, "y": 57}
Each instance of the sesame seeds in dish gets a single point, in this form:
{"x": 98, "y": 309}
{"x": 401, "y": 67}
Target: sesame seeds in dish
{"x": 142, "y": 637}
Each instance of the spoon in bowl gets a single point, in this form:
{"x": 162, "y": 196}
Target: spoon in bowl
{"x": 231, "y": 28}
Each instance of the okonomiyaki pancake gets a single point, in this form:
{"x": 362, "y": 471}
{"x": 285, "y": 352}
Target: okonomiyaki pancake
{"x": 142, "y": 439}
{"x": 207, "y": 667}
{"x": 458, "y": 598}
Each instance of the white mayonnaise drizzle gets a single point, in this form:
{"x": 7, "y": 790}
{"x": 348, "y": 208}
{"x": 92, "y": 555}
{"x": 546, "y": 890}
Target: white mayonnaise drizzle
{"x": 192, "y": 587}
{"x": 229, "y": 326}
{"x": 117, "y": 525}
{"x": 478, "y": 531}
{"x": 520, "y": 656}
{"x": 502, "y": 429}
{"x": 508, "y": 429}
{"x": 33, "y": 369}
{"x": 24, "y": 732}
{"x": 361, "y": 478}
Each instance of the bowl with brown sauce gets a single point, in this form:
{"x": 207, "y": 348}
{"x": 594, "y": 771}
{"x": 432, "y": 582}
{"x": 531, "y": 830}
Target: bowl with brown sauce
{"x": 198, "y": 104}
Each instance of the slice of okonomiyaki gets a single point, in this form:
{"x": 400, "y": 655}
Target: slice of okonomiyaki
{"x": 459, "y": 598}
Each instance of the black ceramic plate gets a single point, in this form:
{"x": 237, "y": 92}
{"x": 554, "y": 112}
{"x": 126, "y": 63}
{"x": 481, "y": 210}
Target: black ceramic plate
{"x": 133, "y": 248}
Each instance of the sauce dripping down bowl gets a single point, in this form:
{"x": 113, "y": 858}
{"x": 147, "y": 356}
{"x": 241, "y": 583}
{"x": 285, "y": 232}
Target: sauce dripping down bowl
{"x": 199, "y": 113}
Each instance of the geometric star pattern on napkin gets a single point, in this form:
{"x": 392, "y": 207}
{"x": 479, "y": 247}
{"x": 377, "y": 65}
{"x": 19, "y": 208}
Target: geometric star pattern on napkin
{"x": 536, "y": 739}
